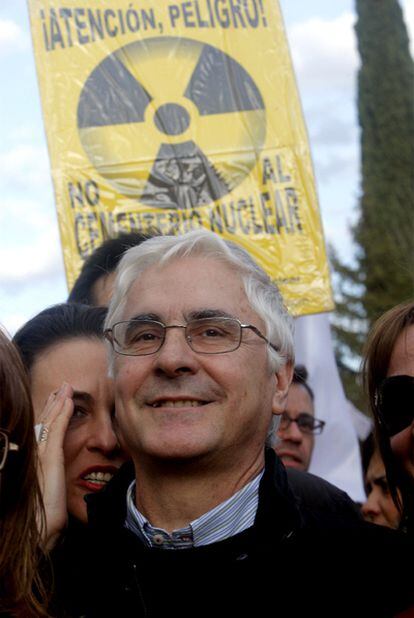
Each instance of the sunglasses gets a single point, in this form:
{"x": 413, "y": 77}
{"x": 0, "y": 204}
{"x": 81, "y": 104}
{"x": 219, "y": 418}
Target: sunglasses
{"x": 396, "y": 403}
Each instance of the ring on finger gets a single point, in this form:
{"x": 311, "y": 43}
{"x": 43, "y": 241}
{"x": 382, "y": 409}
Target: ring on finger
{"x": 41, "y": 432}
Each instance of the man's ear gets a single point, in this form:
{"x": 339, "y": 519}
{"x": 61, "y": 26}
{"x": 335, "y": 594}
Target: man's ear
{"x": 283, "y": 379}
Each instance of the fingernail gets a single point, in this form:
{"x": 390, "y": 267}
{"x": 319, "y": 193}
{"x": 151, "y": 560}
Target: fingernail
{"x": 62, "y": 390}
{"x": 67, "y": 390}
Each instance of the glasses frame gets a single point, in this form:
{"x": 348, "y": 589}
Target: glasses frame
{"x": 316, "y": 431}
{"x": 109, "y": 335}
{"x": 10, "y": 446}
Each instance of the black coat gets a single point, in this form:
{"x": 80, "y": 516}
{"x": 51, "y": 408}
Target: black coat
{"x": 308, "y": 554}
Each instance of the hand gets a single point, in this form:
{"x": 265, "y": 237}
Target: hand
{"x": 51, "y": 461}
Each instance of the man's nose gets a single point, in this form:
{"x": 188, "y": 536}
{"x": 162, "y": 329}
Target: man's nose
{"x": 175, "y": 356}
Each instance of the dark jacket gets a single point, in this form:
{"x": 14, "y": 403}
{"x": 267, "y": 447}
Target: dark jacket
{"x": 308, "y": 554}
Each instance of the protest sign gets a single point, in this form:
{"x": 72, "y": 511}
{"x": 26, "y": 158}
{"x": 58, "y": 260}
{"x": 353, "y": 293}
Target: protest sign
{"x": 176, "y": 116}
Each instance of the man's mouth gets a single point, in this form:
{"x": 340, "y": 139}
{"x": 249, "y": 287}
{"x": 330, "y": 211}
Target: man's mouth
{"x": 177, "y": 403}
{"x": 290, "y": 455}
{"x": 290, "y": 458}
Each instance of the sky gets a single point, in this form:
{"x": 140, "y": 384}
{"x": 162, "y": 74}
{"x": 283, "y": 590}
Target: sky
{"x": 323, "y": 48}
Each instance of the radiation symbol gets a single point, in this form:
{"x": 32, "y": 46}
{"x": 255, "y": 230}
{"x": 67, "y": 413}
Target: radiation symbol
{"x": 171, "y": 122}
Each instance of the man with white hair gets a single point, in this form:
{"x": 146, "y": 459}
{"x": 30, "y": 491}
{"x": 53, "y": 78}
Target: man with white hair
{"x": 203, "y": 519}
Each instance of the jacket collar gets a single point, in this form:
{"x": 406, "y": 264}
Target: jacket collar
{"x": 277, "y": 506}
{"x": 277, "y": 510}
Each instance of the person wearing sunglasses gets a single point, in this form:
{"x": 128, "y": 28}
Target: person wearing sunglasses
{"x": 22, "y": 592}
{"x": 201, "y": 353}
{"x": 295, "y": 436}
{"x": 388, "y": 370}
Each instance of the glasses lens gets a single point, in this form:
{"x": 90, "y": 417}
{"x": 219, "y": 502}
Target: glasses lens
{"x": 396, "y": 403}
{"x": 3, "y": 448}
{"x": 138, "y": 337}
{"x": 213, "y": 335}
{"x": 306, "y": 423}
{"x": 284, "y": 421}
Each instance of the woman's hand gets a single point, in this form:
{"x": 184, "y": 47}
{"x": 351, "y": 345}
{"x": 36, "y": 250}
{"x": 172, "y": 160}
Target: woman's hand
{"x": 51, "y": 430}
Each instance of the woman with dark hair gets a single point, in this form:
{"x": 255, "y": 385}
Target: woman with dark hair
{"x": 64, "y": 352}
{"x": 388, "y": 372}
{"x": 379, "y": 507}
{"x": 21, "y": 508}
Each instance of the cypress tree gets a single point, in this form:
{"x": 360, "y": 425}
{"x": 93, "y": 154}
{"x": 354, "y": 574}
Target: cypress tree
{"x": 383, "y": 275}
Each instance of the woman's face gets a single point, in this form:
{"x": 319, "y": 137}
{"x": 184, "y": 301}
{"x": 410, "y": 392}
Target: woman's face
{"x": 379, "y": 507}
{"x": 91, "y": 448}
{"x": 402, "y": 363}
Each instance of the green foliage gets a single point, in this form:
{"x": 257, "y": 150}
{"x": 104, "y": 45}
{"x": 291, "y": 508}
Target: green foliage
{"x": 383, "y": 273}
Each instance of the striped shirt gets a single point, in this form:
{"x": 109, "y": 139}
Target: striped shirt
{"x": 223, "y": 521}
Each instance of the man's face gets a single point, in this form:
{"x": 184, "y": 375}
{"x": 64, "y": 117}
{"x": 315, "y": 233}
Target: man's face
{"x": 179, "y": 404}
{"x": 294, "y": 447}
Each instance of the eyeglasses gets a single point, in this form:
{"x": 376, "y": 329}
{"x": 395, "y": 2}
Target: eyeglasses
{"x": 395, "y": 403}
{"x": 204, "y": 335}
{"x": 306, "y": 423}
{"x": 5, "y": 447}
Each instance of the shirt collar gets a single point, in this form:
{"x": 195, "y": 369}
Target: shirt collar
{"x": 227, "y": 519}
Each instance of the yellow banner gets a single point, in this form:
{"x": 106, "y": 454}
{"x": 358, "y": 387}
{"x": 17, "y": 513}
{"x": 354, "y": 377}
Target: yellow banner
{"x": 175, "y": 116}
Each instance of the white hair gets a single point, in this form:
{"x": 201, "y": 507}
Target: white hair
{"x": 263, "y": 295}
{"x": 272, "y": 438}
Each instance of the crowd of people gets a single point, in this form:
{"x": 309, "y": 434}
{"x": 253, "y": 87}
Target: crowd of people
{"x": 155, "y": 438}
